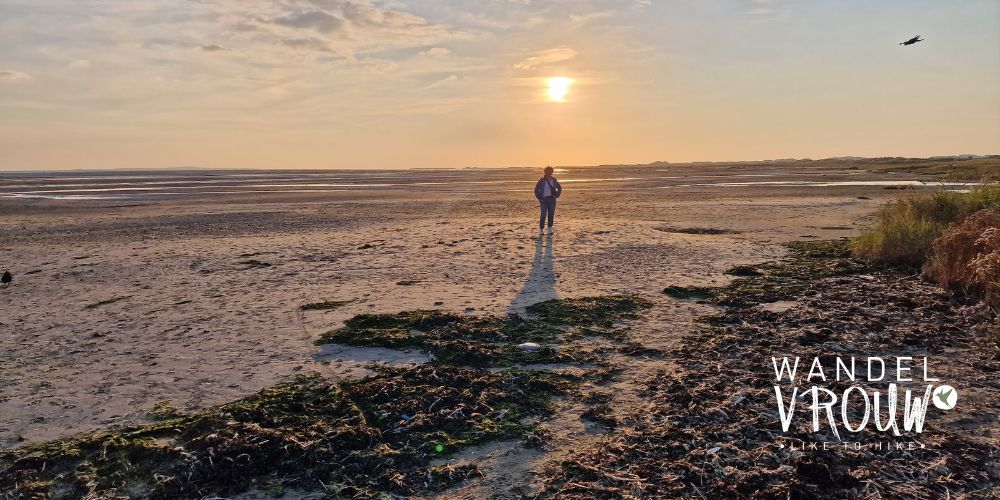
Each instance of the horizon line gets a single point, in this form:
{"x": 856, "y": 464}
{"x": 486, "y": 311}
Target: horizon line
{"x": 963, "y": 156}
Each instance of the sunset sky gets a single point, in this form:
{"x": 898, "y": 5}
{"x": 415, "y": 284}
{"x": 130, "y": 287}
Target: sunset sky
{"x": 396, "y": 84}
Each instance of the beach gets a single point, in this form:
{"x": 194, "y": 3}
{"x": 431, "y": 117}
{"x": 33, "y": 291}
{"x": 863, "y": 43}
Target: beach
{"x": 135, "y": 288}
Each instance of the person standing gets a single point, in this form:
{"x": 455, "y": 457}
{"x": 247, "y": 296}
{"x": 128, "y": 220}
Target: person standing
{"x": 547, "y": 190}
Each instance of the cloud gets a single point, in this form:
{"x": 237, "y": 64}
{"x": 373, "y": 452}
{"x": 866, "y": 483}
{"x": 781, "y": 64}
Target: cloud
{"x": 78, "y": 64}
{"x": 213, "y": 48}
{"x": 318, "y": 20}
{"x": 436, "y": 52}
{"x": 378, "y": 65}
{"x": 450, "y": 79}
{"x": 581, "y": 18}
{"x": 544, "y": 57}
{"x": 767, "y": 10}
{"x": 345, "y": 26}
{"x": 373, "y": 17}
{"x": 9, "y": 75}
{"x": 306, "y": 43}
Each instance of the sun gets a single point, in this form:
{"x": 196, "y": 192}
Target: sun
{"x": 558, "y": 88}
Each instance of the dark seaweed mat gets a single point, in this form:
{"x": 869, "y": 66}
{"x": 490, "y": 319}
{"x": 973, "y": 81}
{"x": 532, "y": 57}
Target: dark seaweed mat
{"x": 711, "y": 430}
{"x": 351, "y": 439}
{"x": 492, "y": 341}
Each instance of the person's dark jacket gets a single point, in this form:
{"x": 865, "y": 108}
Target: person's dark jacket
{"x": 540, "y": 187}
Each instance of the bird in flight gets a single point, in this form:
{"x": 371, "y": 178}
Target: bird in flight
{"x": 943, "y": 396}
{"x": 912, "y": 40}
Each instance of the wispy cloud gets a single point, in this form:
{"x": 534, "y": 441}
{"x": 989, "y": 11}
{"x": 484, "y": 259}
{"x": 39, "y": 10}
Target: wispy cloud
{"x": 767, "y": 10}
{"x": 436, "y": 52}
{"x": 13, "y": 76}
{"x": 316, "y": 19}
{"x": 306, "y": 43}
{"x": 550, "y": 56}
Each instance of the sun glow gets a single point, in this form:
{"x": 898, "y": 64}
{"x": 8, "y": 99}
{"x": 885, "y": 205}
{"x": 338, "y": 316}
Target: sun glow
{"x": 558, "y": 88}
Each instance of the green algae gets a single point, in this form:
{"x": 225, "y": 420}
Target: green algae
{"x": 806, "y": 262}
{"x": 366, "y": 438}
{"x": 164, "y": 410}
{"x": 361, "y": 438}
{"x": 792, "y": 277}
{"x": 493, "y": 341}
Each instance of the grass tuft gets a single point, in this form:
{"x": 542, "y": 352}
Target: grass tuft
{"x": 966, "y": 258}
{"x": 907, "y": 227}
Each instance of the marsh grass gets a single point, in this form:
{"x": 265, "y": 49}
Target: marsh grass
{"x": 982, "y": 169}
{"x": 906, "y": 227}
{"x": 966, "y": 258}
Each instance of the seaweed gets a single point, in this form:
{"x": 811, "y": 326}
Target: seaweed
{"x": 359, "y": 438}
{"x": 707, "y": 428}
{"x": 743, "y": 271}
{"x": 255, "y": 264}
{"x": 492, "y": 340}
{"x": 794, "y": 276}
{"x": 326, "y": 305}
{"x": 696, "y": 230}
{"x": 689, "y": 292}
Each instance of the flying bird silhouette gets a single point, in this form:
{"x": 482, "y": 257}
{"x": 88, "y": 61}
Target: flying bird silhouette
{"x": 943, "y": 396}
{"x": 912, "y": 41}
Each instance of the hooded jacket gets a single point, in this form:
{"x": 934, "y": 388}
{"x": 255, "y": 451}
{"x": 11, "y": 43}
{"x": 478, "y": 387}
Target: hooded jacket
{"x": 554, "y": 184}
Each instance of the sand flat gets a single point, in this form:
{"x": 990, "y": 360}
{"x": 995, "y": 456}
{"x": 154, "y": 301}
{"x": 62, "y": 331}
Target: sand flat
{"x": 125, "y": 298}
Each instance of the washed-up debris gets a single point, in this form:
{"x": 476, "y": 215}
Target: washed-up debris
{"x": 696, "y": 230}
{"x": 689, "y": 292}
{"x": 313, "y": 434}
{"x": 105, "y": 302}
{"x": 325, "y": 305}
{"x": 255, "y": 264}
{"x": 710, "y": 428}
{"x": 493, "y": 340}
{"x": 743, "y": 271}
{"x": 529, "y": 346}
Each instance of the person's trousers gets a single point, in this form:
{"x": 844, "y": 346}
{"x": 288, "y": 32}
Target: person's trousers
{"x": 548, "y": 210}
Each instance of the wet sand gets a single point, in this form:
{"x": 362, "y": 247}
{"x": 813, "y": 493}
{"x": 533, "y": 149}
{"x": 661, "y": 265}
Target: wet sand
{"x": 119, "y": 303}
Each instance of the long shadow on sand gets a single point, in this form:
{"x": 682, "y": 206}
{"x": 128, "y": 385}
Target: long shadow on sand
{"x": 541, "y": 282}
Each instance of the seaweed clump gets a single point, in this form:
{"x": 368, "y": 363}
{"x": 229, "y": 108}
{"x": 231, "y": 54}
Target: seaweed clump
{"x": 490, "y": 341}
{"x": 794, "y": 276}
{"x": 689, "y": 292}
{"x": 326, "y": 305}
{"x": 710, "y": 428}
{"x": 358, "y": 439}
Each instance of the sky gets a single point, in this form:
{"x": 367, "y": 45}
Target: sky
{"x": 483, "y": 83}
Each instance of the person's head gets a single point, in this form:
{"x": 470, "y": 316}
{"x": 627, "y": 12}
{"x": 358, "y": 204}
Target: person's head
{"x": 548, "y": 171}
